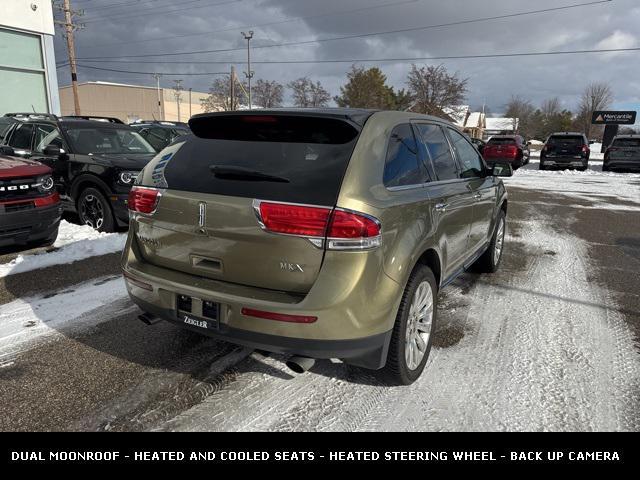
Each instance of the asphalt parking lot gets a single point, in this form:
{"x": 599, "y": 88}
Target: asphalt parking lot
{"x": 550, "y": 342}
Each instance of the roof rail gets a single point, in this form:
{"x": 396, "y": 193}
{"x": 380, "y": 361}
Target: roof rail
{"x": 93, "y": 118}
{"x": 160, "y": 122}
{"x": 32, "y": 115}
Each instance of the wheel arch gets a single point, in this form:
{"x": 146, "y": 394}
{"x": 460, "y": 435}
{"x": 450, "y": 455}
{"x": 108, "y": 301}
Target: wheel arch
{"x": 431, "y": 259}
{"x": 88, "y": 180}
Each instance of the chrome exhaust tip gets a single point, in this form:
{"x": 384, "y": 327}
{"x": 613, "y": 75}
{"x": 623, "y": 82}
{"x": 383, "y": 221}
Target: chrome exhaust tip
{"x": 300, "y": 364}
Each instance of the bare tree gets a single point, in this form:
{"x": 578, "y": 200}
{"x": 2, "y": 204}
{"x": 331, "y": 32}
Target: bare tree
{"x": 220, "y": 95}
{"x": 597, "y": 96}
{"x": 521, "y": 111}
{"x": 308, "y": 94}
{"x": 268, "y": 93}
{"x": 434, "y": 89}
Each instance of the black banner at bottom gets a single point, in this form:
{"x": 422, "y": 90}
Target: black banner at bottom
{"x": 320, "y": 449}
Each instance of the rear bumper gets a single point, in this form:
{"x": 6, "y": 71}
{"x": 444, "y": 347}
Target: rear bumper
{"x": 569, "y": 161}
{"x": 369, "y": 352}
{"x": 516, "y": 162}
{"x": 623, "y": 164}
{"x": 354, "y": 301}
{"x": 18, "y": 228}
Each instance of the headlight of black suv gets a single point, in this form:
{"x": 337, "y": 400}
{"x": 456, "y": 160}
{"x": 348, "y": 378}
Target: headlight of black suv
{"x": 45, "y": 184}
{"x": 127, "y": 177}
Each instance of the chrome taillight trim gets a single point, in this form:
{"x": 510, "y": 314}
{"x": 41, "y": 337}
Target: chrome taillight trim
{"x": 340, "y": 244}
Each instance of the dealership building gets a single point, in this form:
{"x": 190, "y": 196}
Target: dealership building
{"x": 27, "y": 61}
{"x": 132, "y": 102}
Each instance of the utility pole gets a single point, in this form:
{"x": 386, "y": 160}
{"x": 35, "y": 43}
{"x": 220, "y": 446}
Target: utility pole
{"x": 160, "y": 109}
{"x": 232, "y": 88}
{"x": 190, "y": 101}
{"x": 249, "y": 72}
{"x": 177, "y": 92}
{"x": 69, "y": 28}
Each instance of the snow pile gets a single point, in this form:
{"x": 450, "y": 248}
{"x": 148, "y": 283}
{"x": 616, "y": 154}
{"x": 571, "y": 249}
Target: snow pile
{"x": 28, "y": 319}
{"x": 75, "y": 242}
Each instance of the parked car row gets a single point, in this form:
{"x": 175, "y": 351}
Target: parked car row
{"x": 93, "y": 161}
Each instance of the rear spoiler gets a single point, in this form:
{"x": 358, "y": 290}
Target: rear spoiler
{"x": 93, "y": 118}
{"x": 275, "y": 126}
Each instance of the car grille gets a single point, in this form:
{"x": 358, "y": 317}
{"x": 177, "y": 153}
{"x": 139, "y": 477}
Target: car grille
{"x": 18, "y": 189}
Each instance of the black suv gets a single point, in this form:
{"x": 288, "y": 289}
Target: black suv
{"x": 565, "y": 149}
{"x": 94, "y": 163}
{"x": 160, "y": 134}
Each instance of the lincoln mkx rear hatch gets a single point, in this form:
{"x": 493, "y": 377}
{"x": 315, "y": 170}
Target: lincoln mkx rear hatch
{"x": 251, "y": 200}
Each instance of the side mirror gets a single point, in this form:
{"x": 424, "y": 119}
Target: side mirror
{"x": 591, "y": 142}
{"x": 53, "y": 151}
{"x": 502, "y": 170}
{"x": 7, "y": 150}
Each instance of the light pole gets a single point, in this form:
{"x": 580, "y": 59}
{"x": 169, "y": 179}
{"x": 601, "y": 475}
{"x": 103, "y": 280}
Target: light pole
{"x": 157, "y": 77}
{"x": 248, "y": 36}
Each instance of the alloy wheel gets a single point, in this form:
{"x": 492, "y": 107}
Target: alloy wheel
{"x": 92, "y": 211}
{"x": 419, "y": 322}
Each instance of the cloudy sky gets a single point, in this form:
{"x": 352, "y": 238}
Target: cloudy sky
{"x": 121, "y": 35}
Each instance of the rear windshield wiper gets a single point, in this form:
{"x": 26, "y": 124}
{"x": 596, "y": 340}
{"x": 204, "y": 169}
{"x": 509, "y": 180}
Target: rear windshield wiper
{"x": 240, "y": 173}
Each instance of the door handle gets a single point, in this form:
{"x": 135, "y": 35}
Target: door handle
{"x": 477, "y": 196}
{"x": 441, "y": 207}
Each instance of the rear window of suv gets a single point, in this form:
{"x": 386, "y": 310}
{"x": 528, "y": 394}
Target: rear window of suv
{"x": 501, "y": 141}
{"x": 627, "y": 142}
{"x": 298, "y": 159}
{"x": 568, "y": 140}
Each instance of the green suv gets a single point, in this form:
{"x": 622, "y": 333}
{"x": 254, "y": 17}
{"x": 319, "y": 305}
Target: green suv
{"x": 314, "y": 233}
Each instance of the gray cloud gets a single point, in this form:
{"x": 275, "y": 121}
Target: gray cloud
{"x": 611, "y": 25}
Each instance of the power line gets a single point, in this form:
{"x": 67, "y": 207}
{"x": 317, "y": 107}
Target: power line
{"x": 161, "y": 12}
{"x": 363, "y": 35}
{"x": 151, "y": 73}
{"x": 370, "y": 60}
{"x": 267, "y": 24}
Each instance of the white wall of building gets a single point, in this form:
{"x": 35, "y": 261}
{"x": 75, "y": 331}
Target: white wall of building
{"x": 27, "y": 60}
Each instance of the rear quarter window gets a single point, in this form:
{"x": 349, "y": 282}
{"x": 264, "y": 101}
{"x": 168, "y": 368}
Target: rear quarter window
{"x": 305, "y": 157}
{"x": 402, "y": 165}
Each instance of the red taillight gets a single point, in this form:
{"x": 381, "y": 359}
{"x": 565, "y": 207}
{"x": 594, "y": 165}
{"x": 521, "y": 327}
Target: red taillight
{"x": 279, "y": 317}
{"x": 352, "y": 225}
{"x": 512, "y": 151}
{"x": 259, "y": 119}
{"x": 143, "y": 200}
{"x": 344, "y": 229}
{"x": 585, "y": 149}
{"x": 294, "y": 219}
{"x": 46, "y": 201}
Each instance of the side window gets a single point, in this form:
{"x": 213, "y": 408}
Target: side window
{"x": 47, "y": 135}
{"x": 439, "y": 151}
{"x": 470, "y": 163}
{"x": 21, "y": 138}
{"x": 402, "y": 166}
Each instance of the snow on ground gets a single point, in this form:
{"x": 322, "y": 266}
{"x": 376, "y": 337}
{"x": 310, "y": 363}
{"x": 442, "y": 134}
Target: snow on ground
{"x": 540, "y": 350}
{"x": 75, "y": 242}
{"x": 26, "y": 320}
{"x": 617, "y": 191}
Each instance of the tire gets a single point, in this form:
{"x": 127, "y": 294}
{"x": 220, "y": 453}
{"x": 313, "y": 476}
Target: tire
{"x": 490, "y": 260}
{"x": 541, "y": 166}
{"x": 95, "y": 210}
{"x": 398, "y": 370}
{"x": 605, "y": 168}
